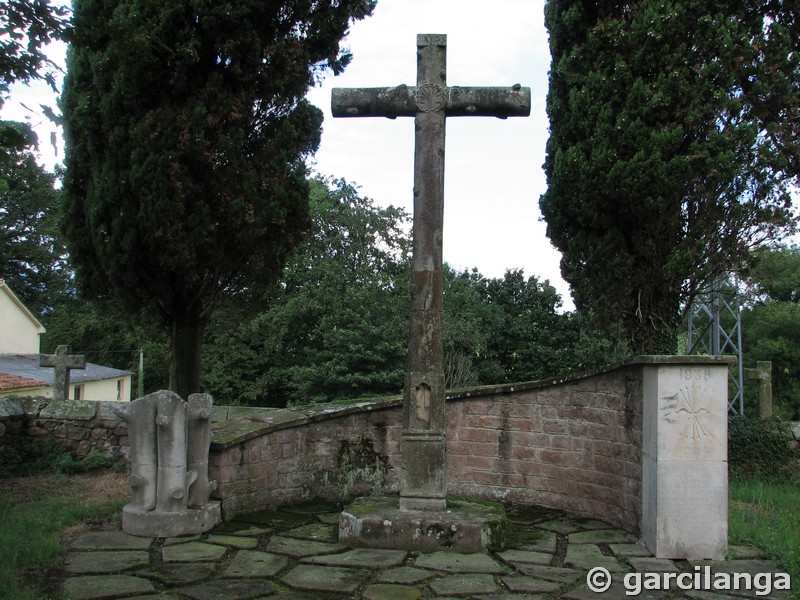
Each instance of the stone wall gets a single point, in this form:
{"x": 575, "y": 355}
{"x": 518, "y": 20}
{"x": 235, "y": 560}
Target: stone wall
{"x": 79, "y": 428}
{"x": 573, "y": 444}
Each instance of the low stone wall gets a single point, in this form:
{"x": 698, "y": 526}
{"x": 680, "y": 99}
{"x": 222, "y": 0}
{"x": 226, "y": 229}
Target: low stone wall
{"x": 574, "y": 444}
{"x": 79, "y": 428}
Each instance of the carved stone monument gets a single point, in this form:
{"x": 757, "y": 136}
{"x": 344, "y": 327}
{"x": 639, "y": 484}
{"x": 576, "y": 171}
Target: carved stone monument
{"x": 684, "y": 457}
{"x": 430, "y": 102}
{"x": 62, "y": 361}
{"x": 169, "y": 442}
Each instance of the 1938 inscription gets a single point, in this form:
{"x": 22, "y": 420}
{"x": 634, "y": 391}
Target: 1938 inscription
{"x": 695, "y": 374}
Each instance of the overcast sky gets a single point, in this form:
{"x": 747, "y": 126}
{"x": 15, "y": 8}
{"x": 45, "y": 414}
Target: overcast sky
{"x": 493, "y": 167}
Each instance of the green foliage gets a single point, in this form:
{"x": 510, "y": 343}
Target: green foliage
{"x": 187, "y": 135}
{"x": 759, "y": 448}
{"x": 771, "y": 323}
{"x": 32, "y": 254}
{"x": 775, "y": 275}
{"x": 336, "y": 327}
{"x": 31, "y": 456}
{"x": 108, "y": 335}
{"x": 764, "y": 513}
{"x": 26, "y": 27}
{"x": 667, "y": 161}
{"x": 29, "y": 536}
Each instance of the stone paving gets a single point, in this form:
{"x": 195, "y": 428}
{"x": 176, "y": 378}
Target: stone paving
{"x": 294, "y": 554}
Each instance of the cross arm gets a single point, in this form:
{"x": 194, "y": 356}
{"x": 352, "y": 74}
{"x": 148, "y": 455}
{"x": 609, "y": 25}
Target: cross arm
{"x": 401, "y": 101}
{"x": 388, "y": 102}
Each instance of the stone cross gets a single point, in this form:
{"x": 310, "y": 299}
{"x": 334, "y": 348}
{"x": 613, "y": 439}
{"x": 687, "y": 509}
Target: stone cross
{"x": 424, "y": 479}
{"x": 62, "y": 361}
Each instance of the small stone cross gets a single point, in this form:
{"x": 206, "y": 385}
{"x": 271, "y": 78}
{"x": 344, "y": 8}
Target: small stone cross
{"x": 430, "y": 102}
{"x": 62, "y": 361}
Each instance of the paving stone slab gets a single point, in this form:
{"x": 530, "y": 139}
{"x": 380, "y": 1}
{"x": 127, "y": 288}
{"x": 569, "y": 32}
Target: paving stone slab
{"x": 175, "y": 574}
{"x": 388, "y": 591}
{"x": 192, "y": 552}
{"x": 236, "y": 541}
{"x": 150, "y": 597}
{"x": 511, "y": 597}
{"x": 545, "y": 541}
{"x": 703, "y": 595}
{"x": 182, "y": 539}
{"x": 404, "y": 575}
{"x": 330, "y": 518}
{"x": 464, "y": 584}
{"x": 271, "y": 518}
{"x": 325, "y": 579}
{"x": 301, "y": 548}
{"x": 530, "y": 585}
{"x": 251, "y": 563}
{"x": 364, "y": 558}
{"x": 229, "y": 589}
{"x": 557, "y": 574}
{"x": 241, "y": 528}
{"x": 319, "y": 532}
{"x": 455, "y": 562}
{"x": 630, "y": 550}
{"x": 588, "y": 556}
{"x": 602, "y": 536}
{"x": 617, "y": 591}
{"x": 105, "y": 561}
{"x": 91, "y": 587}
{"x": 653, "y": 565}
{"x": 526, "y": 556}
{"x": 110, "y": 540}
{"x": 559, "y": 526}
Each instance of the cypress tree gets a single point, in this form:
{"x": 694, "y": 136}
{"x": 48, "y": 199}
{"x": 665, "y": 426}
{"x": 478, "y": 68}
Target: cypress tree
{"x": 186, "y": 137}
{"x": 673, "y": 149}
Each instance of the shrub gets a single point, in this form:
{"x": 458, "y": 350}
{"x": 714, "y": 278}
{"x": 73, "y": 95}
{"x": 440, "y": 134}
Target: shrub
{"x": 28, "y": 457}
{"x": 759, "y": 448}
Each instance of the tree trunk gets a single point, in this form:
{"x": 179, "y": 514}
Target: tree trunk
{"x": 186, "y": 351}
{"x": 653, "y": 324}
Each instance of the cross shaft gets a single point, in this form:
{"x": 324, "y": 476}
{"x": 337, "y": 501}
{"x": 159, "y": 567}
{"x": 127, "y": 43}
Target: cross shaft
{"x": 430, "y": 102}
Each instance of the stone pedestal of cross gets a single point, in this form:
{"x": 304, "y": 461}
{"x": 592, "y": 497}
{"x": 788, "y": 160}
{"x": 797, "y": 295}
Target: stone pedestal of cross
{"x": 63, "y": 362}
{"x": 430, "y": 102}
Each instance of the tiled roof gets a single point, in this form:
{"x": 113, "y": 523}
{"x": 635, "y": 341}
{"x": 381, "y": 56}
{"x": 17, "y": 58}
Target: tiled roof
{"x": 26, "y": 366}
{"x": 15, "y": 382}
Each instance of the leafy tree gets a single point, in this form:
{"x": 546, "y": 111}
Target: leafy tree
{"x": 26, "y": 27}
{"x": 105, "y": 333}
{"x": 336, "y": 326}
{"x": 771, "y": 322}
{"x": 32, "y": 253}
{"x": 672, "y": 152}
{"x": 186, "y": 137}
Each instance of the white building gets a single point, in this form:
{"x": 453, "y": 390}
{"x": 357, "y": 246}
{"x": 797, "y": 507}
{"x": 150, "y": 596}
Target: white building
{"x": 20, "y": 373}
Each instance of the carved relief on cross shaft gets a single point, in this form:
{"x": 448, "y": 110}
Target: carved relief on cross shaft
{"x": 422, "y": 404}
{"x": 430, "y": 97}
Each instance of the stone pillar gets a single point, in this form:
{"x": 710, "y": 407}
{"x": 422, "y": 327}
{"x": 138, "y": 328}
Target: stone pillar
{"x": 685, "y": 456}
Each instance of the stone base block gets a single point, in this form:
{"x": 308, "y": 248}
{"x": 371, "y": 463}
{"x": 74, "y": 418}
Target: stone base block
{"x": 191, "y": 521}
{"x": 378, "y": 522}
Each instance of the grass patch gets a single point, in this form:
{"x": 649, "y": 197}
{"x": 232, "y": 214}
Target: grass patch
{"x": 764, "y": 514}
{"x": 38, "y": 513}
